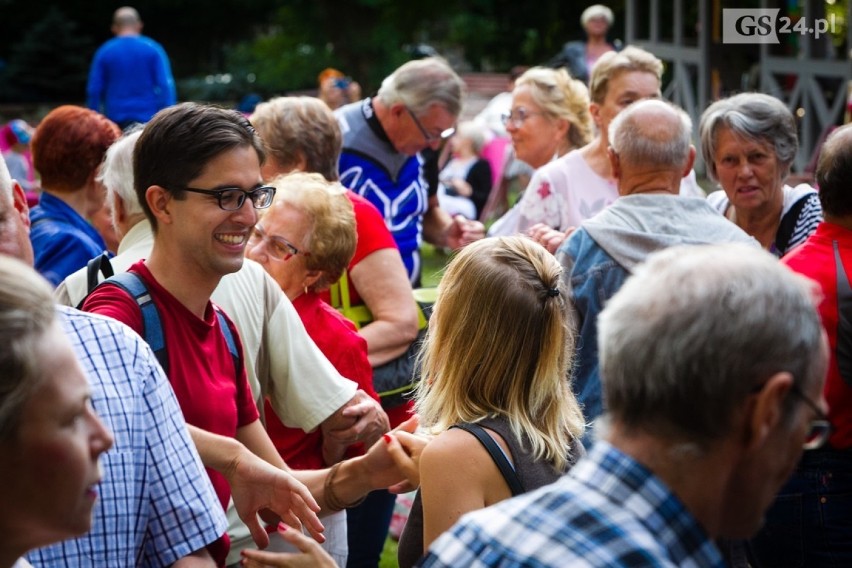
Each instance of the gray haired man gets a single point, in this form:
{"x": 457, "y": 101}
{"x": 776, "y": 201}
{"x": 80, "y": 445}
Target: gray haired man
{"x": 713, "y": 361}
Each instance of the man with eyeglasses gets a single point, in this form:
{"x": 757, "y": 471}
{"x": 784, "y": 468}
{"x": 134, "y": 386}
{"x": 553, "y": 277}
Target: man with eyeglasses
{"x": 810, "y": 523}
{"x": 384, "y": 137}
{"x": 197, "y": 179}
{"x": 713, "y": 361}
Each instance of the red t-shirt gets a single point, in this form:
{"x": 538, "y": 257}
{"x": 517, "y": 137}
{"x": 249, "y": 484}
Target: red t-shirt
{"x": 815, "y": 259}
{"x": 373, "y": 235}
{"x": 347, "y": 351}
{"x": 211, "y": 394}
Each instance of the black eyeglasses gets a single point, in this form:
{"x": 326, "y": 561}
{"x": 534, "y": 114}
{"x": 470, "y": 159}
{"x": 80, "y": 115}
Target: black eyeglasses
{"x": 278, "y": 248}
{"x": 819, "y": 428}
{"x": 232, "y": 198}
{"x": 518, "y": 116}
{"x": 430, "y": 138}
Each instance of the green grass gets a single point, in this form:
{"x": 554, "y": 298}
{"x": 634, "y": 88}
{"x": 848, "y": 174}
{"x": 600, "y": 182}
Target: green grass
{"x": 388, "y": 559}
{"x": 434, "y": 261}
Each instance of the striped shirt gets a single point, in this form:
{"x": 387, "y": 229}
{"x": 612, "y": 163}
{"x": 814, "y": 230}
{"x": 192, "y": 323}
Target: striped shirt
{"x": 800, "y": 215}
{"x": 608, "y": 511}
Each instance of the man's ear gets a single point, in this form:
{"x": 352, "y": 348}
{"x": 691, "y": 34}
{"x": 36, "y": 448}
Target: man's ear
{"x": 766, "y": 410}
{"x": 19, "y": 198}
{"x": 159, "y": 201}
{"x": 690, "y": 161}
{"x": 614, "y": 162}
{"x": 396, "y": 109}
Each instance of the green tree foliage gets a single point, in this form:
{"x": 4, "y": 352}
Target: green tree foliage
{"x": 50, "y": 63}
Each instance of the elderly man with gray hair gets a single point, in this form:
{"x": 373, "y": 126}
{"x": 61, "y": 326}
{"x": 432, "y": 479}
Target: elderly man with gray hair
{"x": 650, "y": 153}
{"x": 384, "y": 137}
{"x": 713, "y": 361}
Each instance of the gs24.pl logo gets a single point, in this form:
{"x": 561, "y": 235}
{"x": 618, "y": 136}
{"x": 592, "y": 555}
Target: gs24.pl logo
{"x": 763, "y": 25}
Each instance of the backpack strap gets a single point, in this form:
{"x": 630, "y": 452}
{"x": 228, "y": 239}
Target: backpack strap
{"x": 98, "y": 265}
{"x": 496, "y": 453}
{"x": 843, "y": 350}
{"x": 229, "y": 339}
{"x": 152, "y": 326}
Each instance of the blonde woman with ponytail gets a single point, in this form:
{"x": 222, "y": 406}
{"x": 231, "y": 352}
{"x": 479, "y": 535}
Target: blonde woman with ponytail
{"x": 497, "y": 355}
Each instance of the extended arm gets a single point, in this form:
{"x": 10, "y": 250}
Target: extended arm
{"x": 382, "y": 282}
{"x": 444, "y": 231}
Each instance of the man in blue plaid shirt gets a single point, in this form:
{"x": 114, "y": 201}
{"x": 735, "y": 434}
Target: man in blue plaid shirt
{"x": 152, "y": 476}
{"x": 713, "y": 360}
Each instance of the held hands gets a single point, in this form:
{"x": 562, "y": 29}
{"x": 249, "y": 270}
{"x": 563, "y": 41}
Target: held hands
{"x": 362, "y": 419}
{"x": 311, "y": 554}
{"x": 382, "y": 469}
{"x": 405, "y": 449}
{"x": 549, "y": 238}
{"x": 257, "y": 485}
{"x": 464, "y": 231}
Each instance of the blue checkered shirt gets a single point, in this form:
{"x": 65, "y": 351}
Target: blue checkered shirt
{"x": 155, "y": 504}
{"x": 608, "y": 511}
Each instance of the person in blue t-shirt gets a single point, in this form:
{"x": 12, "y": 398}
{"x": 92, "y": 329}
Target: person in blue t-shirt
{"x": 130, "y": 78}
{"x": 68, "y": 147}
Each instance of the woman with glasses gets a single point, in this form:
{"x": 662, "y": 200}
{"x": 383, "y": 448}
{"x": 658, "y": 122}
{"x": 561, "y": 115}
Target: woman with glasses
{"x": 578, "y": 185}
{"x": 302, "y": 134}
{"x": 549, "y": 118}
{"x": 304, "y": 241}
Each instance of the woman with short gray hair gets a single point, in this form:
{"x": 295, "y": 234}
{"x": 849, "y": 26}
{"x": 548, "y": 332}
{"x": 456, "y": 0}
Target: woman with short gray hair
{"x": 748, "y": 142}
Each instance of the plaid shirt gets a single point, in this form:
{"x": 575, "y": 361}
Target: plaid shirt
{"x": 155, "y": 504}
{"x": 608, "y": 511}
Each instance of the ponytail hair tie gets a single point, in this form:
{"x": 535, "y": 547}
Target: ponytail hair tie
{"x": 552, "y": 292}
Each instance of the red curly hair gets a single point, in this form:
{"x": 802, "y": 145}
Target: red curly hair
{"x": 69, "y": 145}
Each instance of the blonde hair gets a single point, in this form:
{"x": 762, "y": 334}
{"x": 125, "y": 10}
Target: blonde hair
{"x": 560, "y": 96}
{"x": 613, "y": 63}
{"x": 500, "y": 342}
{"x": 331, "y": 236}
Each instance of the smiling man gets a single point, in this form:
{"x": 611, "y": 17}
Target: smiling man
{"x": 197, "y": 178}
{"x": 415, "y": 110}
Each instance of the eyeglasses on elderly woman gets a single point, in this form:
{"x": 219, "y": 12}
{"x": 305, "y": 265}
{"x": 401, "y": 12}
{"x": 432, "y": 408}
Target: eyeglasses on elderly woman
{"x": 277, "y": 247}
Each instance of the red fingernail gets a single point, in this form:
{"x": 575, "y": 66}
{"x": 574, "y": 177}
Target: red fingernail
{"x": 282, "y": 527}
{"x": 386, "y": 438}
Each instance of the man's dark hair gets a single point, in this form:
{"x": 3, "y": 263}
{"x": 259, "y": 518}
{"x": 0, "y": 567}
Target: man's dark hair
{"x": 180, "y": 141}
{"x": 834, "y": 173}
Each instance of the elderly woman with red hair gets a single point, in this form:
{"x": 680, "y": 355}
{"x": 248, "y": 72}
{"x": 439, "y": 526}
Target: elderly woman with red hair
{"x": 68, "y": 147}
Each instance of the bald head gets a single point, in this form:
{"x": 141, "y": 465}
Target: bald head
{"x": 652, "y": 132}
{"x": 834, "y": 174}
{"x": 126, "y": 19}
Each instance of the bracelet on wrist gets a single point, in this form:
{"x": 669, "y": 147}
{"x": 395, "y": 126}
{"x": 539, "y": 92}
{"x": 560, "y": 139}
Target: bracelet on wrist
{"x": 333, "y": 502}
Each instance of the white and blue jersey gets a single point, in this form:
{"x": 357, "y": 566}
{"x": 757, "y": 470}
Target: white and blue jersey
{"x": 393, "y": 182}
